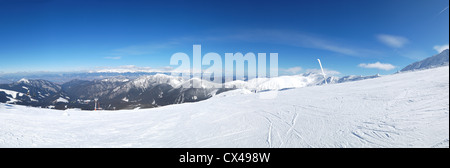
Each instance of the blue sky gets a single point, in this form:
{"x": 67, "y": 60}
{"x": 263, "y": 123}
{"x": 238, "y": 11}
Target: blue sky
{"x": 361, "y": 37}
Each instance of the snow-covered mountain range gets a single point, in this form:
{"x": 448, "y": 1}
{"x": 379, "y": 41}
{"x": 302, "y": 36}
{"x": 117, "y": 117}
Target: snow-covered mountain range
{"x": 147, "y": 91}
{"x": 408, "y": 109}
{"x": 143, "y": 92}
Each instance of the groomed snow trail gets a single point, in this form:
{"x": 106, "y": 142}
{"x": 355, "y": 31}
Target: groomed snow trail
{"x": 401, "y": 110}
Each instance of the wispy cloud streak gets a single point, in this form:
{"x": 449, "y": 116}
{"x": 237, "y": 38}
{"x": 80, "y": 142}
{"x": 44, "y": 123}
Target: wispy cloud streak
{"x": 378, "y": 65}
{"x": 392, "y": 41}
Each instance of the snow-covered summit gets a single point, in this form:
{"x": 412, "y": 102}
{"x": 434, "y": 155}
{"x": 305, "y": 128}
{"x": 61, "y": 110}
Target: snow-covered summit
{"x": 115, "y": 79}
{"x": 23, "y": 80}
{"x": 441, "y": 59}
{"x": 37, "y": 83}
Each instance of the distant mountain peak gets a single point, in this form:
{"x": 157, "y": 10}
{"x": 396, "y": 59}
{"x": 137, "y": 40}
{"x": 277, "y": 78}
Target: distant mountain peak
{"x": 23, "y": 80}
{"x": 441, "y": 59}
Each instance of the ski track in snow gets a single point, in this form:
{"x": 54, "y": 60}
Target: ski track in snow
{"x": 402, "y": 110}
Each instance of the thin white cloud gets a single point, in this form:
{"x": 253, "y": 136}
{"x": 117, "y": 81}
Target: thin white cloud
{"x": 292, "y": 70}
{"x": 440, "y": 48}
{"x": 130, "y": 66}
{"x": 284, "y": 37}
{"x": 392, "y": 41}
{"x": 443, "y": 10}
{"x": 298, "y": 40}
{"x": 131, "y": 69}
{"x": 378, "y": 65}
{"x": 291, "y": 38}
{"x": 113, "y": 58}
{"x": 166, "y": 68}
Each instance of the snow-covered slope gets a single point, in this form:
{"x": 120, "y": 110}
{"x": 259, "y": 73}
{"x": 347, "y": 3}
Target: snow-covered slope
{"x": 9, "y": 96}
{"x": 441, "y": 59}
{"x": 12, "y": 93}
{"x": 277, "y": 83}
{"x": 402, "y": 110}
{"x": 146, "y": 81}
{"x": 294, "y": 81}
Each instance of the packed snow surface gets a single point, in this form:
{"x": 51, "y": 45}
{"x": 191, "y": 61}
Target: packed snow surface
{"x": 402, "y": 110}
